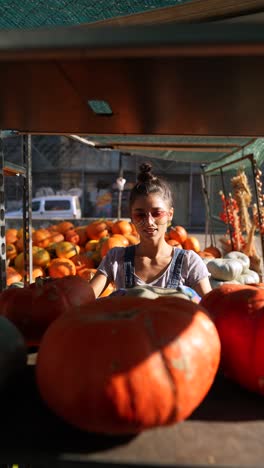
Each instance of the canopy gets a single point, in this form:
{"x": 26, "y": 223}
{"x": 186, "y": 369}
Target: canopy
{"x": 190, "y": 93}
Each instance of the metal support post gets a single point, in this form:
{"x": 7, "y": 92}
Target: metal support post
{"x": 2, "y": 221}
{"x": 27, "y": 209}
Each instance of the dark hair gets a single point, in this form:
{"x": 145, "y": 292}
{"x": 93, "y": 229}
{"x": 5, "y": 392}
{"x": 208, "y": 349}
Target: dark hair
{"x": 149, "y": 183}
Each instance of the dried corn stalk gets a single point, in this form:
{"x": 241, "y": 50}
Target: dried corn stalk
{"x": 243, "y": 196}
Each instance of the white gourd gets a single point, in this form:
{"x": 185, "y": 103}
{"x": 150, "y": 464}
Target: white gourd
{"x": 249, "y": 277}
{"x": 226, "y": 269}
{"x": 243, "y": 258}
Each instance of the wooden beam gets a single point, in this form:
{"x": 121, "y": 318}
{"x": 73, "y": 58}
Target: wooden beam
{"x": 191, "y": 12}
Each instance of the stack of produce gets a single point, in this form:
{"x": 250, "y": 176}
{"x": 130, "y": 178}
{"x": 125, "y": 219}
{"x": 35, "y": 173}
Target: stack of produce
{"x": 63, "y": 249}
{"x": 242, "y": 219}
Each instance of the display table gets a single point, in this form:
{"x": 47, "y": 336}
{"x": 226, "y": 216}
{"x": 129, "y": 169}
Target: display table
{"x": 227, "y": 429}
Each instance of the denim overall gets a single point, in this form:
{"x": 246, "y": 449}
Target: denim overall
{"x": 176, "y": 266}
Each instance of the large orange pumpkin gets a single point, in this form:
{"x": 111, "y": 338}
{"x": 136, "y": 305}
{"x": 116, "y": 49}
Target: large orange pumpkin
{"x": 32, "y": 309}
{"x": 238, "y": 313}
{"x": 132, "y": 363}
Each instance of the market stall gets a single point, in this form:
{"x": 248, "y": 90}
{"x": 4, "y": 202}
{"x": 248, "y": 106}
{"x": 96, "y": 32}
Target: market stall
{"x": 167, "y": 85}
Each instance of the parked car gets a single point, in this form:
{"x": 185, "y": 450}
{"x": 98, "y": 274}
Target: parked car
{"x": 50, "y": 207}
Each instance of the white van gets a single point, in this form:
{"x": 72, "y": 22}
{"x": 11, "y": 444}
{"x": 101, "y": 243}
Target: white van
{"x": 51, "y": 207}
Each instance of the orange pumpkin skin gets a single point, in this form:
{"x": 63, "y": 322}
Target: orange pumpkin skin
{"x": 12, "y": 276}
{"x": 16, "y": 306}
{"x": 178, "y": 233}
{"x": 238, "y": 313}
{"x": 54, "y": 298}
{"x": 86, "y": 273}
{"x": 128, "y": 388}
{"x": 109, "y": 244}
{"x": 192, "y": 243}
{"x": 122, "y": 238}
{"x": 33, "y": 308}
{"x": 11, "y": 251}
{"x": 122, "y": 227}
{"x": 81, "y": 260}
{"x": 41, "y": 238}
{"x": 64, "y": 226}
{"x": 83, "y": 237}
{"x": 60, "y": 267}
{"x": 214, "y": 251}
{"x": 96, "y": 230}
{"x": 110, "y": 288}
{"x": 72, "y": 236}
{"x": 132, "y": 240}
{"x": 204, "y": 254}
{"x": 11, "y": 236}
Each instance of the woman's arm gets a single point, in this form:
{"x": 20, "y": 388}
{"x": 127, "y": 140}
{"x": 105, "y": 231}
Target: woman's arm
{"x": 203, "y": 286}
{"x": 98, "y": 283}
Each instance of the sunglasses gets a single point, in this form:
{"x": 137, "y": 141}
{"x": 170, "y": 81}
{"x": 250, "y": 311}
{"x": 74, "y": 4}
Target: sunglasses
{"x": 142, "y": 217}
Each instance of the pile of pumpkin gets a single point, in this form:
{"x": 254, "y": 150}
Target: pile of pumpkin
{"x": 63, "y": 249}
{"x": 121, "y": 365}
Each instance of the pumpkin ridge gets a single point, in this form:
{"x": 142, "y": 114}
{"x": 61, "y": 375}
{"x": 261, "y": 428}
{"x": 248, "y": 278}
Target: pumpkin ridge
{"x": 153, "y": 342}
{"x": 173, "y": 413}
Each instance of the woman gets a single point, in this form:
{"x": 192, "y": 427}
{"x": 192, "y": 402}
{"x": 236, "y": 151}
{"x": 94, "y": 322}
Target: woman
{"x": 153, "y": 261}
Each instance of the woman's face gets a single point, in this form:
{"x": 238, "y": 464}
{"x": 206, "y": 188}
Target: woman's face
{"x": 151, "y": 214}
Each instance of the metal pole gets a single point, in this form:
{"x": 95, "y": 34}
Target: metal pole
{"x": 119, "y": 203}
{"x": 27, "y": 209}
{"x": 2, "y": 221}
{"x": 209, "y": 222}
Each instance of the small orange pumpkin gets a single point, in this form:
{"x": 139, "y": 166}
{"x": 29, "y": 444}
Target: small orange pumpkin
{"x": 60, "y": 267}
{"x": 66, "y": 249}
{"x": 109, "y": 244}
{"x": 174, "y": 243}
{"x": 83, "y": 236}
{"x": 11, "y": 236}
{"x": 192, "y": 243}
{"x": 41, "y": 238}
{"x": 122, "y": 227}
{"x": 12, "y": 276}
{"x": 96, "y": 230}
{"x": 214, "y": 251}
{"x": 11, "y": 251}
{"x": 64, "y": 226}
{"x": 178, "y": 233}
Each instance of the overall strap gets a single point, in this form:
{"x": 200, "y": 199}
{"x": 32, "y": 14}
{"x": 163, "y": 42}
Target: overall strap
{"x": 129, "y": 266}
{"x": 176, "y": 266}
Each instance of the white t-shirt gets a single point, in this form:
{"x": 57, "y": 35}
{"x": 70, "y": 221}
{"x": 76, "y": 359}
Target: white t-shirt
{"x": 193, "y": 270}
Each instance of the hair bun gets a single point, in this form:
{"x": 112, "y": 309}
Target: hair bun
{"x": 145, "y": 173}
